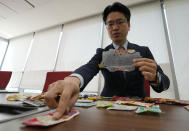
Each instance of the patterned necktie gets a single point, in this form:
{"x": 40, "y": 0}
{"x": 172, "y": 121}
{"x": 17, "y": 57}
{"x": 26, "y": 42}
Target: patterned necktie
{"x": 121, "y": 48}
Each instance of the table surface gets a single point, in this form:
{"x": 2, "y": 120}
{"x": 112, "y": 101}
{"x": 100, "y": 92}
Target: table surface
{"x": 172, "y": 118}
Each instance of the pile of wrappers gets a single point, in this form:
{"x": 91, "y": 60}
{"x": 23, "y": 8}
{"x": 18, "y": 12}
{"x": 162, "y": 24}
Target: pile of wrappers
{"x": 140, "y": 105}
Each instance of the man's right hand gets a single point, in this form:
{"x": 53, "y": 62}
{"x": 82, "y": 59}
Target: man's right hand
{"x": 68, "y": 90}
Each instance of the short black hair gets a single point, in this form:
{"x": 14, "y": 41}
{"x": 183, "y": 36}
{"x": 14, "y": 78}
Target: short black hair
{"x": 116, "y": 7}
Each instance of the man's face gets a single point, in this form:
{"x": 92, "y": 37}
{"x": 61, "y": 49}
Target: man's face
{"x": 117, "y": 27}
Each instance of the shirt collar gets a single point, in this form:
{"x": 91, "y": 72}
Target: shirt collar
{"x": 124, "y": 45}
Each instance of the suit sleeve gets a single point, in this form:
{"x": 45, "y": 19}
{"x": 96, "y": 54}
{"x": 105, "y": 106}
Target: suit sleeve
{"x": 89, "y": 70}
{"x": 164, "y": 84}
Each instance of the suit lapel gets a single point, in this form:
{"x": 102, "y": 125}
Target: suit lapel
{"x": 130, "y": 46}
{"x": 109, "y": 47}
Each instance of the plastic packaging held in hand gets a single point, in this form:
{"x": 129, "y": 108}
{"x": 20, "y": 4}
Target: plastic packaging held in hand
{"x": 119, "y": 60}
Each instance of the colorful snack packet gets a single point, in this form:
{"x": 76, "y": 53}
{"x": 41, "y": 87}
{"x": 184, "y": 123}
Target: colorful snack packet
{"x": 127, "y": 98}
{"x": 84, "y": 101}
{"x": 47, "y": 119}
{"x": 14, "y": 97}
{"x": 166, "y": 101}
{"x": 154, "y": 109}
{"x": 104, "y": 104}
{"x": 136, "y": 103}
{"x": 37, "y": 103}
{"x": 84, "y": 104}
{"x": 122, "y": 107}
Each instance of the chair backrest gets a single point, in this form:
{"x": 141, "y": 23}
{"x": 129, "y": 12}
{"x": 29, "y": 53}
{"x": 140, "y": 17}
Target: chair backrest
{"x": 54, "y": 76}
{"x": 4, "y": 78}
{"x": 147, "y": 88}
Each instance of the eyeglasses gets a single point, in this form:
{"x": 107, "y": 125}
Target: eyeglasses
{"x": 119, "y": 22}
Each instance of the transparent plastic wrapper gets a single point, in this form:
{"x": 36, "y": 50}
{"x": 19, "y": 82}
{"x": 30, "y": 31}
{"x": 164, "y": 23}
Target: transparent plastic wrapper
{"x": 122, "y": 107}
{"x": 119, "y": 60}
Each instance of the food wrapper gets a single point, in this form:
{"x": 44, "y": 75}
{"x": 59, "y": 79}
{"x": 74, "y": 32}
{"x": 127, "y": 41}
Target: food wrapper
{"x": 166, "y": 101}
{"x": 37, "y": 103}
{"x": 84, "y": 101}
{"x": 153, "y": 109}
{"x": 104, "y": 104}
{"x": 122, "y": 107}
{"x": 47, "y": 119}
{"x": 84, "y": 104}
{"x": 15, "y": 97}
{"x": 119, "y": 60}
{"x": 127, "y": 98}
{"x": 136, "y": 103}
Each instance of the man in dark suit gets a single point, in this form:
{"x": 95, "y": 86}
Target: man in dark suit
{"x": 117, "y": 20}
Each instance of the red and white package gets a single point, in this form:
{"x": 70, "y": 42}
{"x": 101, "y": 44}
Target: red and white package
{"x": 47, "y": 119}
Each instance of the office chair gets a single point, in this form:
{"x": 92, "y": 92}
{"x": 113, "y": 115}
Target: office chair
{"x": 4, "y": 78}
{"x": 54, "y": 76}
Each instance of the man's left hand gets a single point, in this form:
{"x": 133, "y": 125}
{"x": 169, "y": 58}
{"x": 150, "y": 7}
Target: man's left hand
{"x": 148, "y": 68}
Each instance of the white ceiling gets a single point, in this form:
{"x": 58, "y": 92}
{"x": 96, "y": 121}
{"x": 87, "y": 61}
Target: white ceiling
{"x": 19, "y": 17}
{"x": 9, "y": 8}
